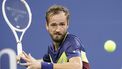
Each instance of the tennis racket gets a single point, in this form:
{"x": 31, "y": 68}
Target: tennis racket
{"x": 18, "y": 16}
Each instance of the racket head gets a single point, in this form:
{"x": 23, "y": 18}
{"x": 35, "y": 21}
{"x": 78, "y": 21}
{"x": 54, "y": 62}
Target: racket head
{"x": 17, "y": 14}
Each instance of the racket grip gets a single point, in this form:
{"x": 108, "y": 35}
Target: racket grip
{"x": 19, "y": 51}
{"x": 19, "y": 48}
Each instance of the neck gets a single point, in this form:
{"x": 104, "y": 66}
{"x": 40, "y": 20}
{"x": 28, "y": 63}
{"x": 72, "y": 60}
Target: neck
{"x": 56, "y": 44}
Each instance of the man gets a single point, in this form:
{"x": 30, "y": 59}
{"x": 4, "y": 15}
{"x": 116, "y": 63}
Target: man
{"x": 66, "y": 50}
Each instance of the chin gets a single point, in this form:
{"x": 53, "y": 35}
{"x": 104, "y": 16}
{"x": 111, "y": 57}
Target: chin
{"x": 57, "y": 39}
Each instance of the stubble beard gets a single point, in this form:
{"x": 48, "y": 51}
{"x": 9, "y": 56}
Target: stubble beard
{"x": 58, "y": 38}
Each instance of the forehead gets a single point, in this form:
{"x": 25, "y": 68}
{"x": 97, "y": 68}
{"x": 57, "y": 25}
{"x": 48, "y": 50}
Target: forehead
{"x": 58, "y": 17}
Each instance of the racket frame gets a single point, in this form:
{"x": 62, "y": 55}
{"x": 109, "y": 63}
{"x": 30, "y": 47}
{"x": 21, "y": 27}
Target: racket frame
{"x": 14, "y": 29}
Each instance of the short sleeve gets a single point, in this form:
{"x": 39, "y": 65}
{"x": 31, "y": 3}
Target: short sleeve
{"x": 46, "y": 58}
{"x": 74, "y": 49}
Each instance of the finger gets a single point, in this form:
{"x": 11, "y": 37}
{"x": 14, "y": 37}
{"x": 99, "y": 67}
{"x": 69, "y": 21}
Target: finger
{"x": 18, "y": 58}
{"x": 31, "y": 57}
{"x": 25, "y": 54}
{"x": 29, "y": 67}
{"x": 25, "y": 64}
{"x": 26, "y": 59}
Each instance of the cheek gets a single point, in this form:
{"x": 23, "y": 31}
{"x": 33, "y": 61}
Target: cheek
{"x": 50, "y": 30}
{"x": 65, "y": 28}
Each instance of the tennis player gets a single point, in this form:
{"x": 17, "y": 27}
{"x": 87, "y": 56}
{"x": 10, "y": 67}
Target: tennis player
{"x": 66, "y": 50}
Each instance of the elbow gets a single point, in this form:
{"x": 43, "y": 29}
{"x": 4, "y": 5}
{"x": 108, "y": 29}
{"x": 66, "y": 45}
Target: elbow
{"x": 77, "y": 66}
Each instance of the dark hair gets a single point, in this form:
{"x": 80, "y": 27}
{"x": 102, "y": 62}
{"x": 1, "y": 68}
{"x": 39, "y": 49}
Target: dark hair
{"x": 56, "y": 9}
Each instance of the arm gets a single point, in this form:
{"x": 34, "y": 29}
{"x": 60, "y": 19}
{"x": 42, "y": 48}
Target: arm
{"x": 74, "y": 63}
{"x": 40, "y": 60}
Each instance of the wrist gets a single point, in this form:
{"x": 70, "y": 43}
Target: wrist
{"x": 46, "y": 65}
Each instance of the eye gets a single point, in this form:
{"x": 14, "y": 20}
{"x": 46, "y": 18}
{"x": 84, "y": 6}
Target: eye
{"x": 62, "y": 24}
{"x": 53, "y": 24}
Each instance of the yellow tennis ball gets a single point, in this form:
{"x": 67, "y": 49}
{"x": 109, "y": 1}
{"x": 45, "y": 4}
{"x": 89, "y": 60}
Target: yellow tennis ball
{"x": 110, "y": 46}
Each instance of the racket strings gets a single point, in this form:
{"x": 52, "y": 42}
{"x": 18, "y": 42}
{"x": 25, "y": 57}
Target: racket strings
{"x": 17, "y": 14}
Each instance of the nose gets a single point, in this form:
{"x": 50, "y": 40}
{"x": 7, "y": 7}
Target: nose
{"x": 58, "y": 29}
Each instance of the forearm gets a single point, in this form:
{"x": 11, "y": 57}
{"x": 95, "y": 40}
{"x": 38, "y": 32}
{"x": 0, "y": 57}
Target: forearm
{"x": 68, "y": 65}
{"x": 74, "y": 63}
{"x": 40, "y": 60}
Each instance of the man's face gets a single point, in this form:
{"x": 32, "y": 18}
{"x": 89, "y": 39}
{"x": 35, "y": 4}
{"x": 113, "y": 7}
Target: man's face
{"x": 57, "y": 26}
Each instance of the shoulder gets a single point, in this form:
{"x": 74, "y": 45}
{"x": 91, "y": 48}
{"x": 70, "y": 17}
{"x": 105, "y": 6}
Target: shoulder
{"x": 75, "y": 42}
{"x": 73, "y": 39}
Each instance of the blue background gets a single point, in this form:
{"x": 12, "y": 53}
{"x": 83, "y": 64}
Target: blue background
{"x": 94, "y": 21}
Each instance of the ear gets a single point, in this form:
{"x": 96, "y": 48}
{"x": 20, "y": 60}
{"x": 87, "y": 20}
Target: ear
{"x": 67, "y": 24}
{"x": 46, "y": 26}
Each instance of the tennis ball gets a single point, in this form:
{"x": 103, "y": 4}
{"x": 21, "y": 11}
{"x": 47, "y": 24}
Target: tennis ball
{"x": 110, "y": 46}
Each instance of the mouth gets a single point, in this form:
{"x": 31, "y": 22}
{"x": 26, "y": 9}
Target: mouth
{"x": 57, "y": 33}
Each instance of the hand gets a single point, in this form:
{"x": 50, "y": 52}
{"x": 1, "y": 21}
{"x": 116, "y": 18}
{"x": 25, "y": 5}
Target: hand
{"x": 18, "y": 58}
{"x": 31, "y": 63}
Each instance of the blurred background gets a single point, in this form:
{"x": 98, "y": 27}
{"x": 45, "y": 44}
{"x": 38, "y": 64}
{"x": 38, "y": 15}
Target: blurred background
{"x": 94, "y": 21}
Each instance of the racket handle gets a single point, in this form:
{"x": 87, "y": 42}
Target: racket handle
{"x": 19, "y": 51}
{"x": 19, "y": 48}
